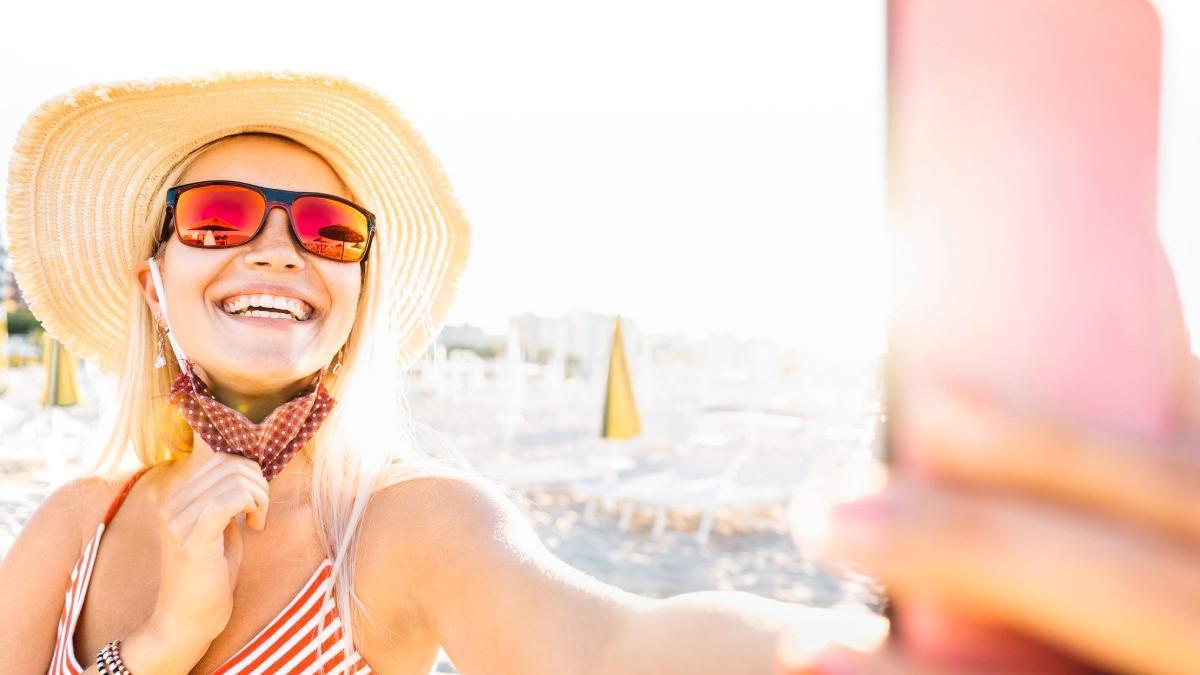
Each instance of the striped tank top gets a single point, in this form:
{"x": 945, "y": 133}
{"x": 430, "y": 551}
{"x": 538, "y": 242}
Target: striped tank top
{"x": 287, "y": 644}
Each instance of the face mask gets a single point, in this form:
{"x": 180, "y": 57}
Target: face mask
{"x": 271, "y": 443}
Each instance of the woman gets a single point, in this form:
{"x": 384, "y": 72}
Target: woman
{"x": 278, "y": 518}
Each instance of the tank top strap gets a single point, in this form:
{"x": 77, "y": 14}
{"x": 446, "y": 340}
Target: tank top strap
{"x": 116, "y": 503}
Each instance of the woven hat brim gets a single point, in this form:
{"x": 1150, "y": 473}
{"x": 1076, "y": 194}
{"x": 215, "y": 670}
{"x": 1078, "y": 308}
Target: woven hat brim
{"x": 88, "y": 165}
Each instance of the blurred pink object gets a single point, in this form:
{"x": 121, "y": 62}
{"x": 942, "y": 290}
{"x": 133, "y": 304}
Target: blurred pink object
{"x": 1022, "y": 188}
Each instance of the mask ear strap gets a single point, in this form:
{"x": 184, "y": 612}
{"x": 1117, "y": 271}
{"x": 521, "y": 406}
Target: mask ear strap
{"x": 162, "y": 300}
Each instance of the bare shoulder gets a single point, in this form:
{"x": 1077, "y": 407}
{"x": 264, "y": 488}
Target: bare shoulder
{"x": 406, "y": 535}
{"x": 35, "y": 572}
{"x": 423, "y": 511}
{"x": 76, "y": 506}
{"x": 427, "y": 491}
{"x": 433, "y": 511}
{"x": 483, "y": 584}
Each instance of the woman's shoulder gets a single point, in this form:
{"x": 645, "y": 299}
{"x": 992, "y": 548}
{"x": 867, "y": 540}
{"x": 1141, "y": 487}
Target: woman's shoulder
{"x": 425, "y": 518}
{"x": 394, "y": 542}
{"x": 73, "y": 509}
{"x": 90, "y": 496}
{"x": 435, "y": 494}
{"x": 417, "y": 513}
{"x": 37, "y": 566}
{"x": 92, "y": 493}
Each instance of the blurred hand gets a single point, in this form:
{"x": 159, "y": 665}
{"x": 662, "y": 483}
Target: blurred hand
{"x": 1079, "y": 551}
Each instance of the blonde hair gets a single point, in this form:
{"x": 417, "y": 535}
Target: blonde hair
{"x": 369, "y": 440}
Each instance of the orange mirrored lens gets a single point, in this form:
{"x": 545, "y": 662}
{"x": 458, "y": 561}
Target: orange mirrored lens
{"x": 218, "y": 215}
{"x": 330, "y": 228}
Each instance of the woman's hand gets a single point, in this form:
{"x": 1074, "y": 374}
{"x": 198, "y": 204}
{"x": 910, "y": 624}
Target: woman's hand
{"x": 1078, "y": 550}
{"x": 202, "y": 544}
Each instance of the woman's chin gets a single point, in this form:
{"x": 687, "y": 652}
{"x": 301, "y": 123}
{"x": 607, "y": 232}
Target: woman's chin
{"x": 261, "y": 370}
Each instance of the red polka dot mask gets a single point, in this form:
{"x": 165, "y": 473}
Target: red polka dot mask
{"x": 272, "y": 442}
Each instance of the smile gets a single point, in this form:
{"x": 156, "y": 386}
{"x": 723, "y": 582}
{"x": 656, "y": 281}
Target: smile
{"x": 267, "y": 307}
{"x": 264, "y": 318}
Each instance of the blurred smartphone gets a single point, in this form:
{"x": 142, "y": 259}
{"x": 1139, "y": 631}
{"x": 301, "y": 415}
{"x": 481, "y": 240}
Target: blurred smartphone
{"x": 1022, "y": 179}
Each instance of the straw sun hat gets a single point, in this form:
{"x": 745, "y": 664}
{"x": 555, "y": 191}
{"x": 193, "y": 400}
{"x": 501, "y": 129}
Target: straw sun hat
{"x": 89, "y": 165}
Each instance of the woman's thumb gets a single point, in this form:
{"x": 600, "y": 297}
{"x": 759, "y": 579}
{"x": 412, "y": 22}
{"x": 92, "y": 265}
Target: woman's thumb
{"x": 257, "y": 519}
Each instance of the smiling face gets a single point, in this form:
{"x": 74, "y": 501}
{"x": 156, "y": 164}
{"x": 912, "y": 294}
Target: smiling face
{"x": 252, "y": 356}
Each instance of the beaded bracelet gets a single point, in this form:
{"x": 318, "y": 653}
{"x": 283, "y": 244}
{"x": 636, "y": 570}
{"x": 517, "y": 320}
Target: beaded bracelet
{"x": 108, "y": 661}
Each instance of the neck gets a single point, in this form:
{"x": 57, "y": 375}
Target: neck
{"x": 256, "y": 406}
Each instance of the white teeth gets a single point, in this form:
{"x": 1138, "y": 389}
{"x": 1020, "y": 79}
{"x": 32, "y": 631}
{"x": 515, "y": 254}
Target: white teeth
{"x": 268, "y": 315}
{"x": 298, "y": 309}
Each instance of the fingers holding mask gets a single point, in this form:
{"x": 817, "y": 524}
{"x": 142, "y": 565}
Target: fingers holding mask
{"x": 217, "y": 474}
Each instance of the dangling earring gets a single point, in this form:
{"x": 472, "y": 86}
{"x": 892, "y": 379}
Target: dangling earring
{"x": 338, "y": 365}
{"x": 160, "y": 359}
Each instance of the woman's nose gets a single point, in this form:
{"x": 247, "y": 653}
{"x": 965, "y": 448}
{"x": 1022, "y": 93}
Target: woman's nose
{"x": 274, "y": 246}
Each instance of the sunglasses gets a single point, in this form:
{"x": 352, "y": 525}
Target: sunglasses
{"x": 227, "y": 213}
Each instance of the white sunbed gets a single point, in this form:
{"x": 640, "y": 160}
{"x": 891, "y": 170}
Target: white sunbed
{"x": 683, "y": 489}
{"x": 571, "y": 462}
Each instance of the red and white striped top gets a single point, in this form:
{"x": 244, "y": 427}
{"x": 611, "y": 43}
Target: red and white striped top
{"x": 287, "y": 644}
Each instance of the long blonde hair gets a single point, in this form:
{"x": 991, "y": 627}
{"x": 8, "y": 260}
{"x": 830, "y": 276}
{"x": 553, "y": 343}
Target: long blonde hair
{"x": 369, "y": 440}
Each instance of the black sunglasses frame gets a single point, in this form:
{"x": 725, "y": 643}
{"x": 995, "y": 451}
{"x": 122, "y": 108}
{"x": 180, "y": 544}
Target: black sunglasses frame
{"x": 273, "y": 197}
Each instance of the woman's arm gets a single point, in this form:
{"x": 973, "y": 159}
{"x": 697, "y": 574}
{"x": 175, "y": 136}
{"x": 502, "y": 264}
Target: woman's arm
{"x": 730, "y": 632}
{"x": 150, "y": 650}
{"x": 35, "y": 573}
{"x": 500, "y": 602}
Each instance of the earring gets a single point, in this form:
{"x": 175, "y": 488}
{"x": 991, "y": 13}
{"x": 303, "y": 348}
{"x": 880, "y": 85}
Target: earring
{"x": 160, "y": 359}
{"x": 338, "y": 365}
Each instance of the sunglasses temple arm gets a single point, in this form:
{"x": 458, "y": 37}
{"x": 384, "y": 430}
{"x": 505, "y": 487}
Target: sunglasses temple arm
{"x": 164, "y": 231}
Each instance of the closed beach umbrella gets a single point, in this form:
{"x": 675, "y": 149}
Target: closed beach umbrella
{"x": 61, "y": 388}
{"x": 620, "y": 410}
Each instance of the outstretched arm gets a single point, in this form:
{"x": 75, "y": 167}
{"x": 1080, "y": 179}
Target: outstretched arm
{"x": 729, "y": 632}
{"x": 501, "y": 603}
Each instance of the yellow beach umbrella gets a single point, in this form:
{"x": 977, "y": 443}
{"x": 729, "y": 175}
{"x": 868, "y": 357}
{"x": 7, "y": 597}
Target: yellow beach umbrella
{"x": 61, "y": 389}
{"x": 620, "y": 411}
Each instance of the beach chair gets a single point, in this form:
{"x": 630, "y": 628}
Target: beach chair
{"x": 700, "y": 483}
{"x": 568, "y": 463}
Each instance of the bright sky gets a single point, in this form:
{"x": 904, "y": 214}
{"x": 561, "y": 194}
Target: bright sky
{"x": 696, "y": 167}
